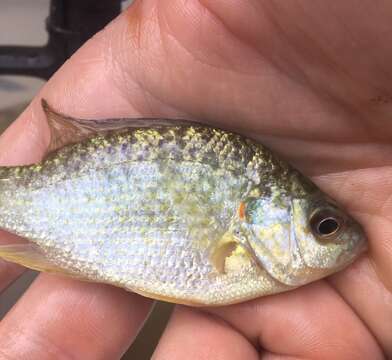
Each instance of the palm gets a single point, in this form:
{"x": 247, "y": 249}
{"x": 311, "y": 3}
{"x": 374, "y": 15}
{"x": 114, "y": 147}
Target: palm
{"x": 309, "y": 80}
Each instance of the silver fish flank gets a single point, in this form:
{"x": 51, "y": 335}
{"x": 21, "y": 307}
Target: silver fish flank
{"x": 172, "y": 210}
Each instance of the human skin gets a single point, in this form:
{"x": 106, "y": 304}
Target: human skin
{"x": 310, "y": 79}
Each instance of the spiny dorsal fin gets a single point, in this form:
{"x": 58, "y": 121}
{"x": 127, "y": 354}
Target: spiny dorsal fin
{"x": 66, "y": 130}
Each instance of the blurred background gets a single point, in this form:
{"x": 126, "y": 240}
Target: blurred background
{"x": 22, "y": 22}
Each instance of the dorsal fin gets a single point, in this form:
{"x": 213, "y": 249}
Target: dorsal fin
{"x": 66, "y": 130}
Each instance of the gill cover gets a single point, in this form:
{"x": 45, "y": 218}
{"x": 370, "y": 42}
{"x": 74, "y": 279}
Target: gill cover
{"x": 269, "y": 232}
{"x": 280, "y": 234}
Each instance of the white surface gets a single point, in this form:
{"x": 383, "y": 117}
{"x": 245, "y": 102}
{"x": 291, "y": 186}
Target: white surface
{"x": 22, "y": 22}
{"x": 15, "y": 90}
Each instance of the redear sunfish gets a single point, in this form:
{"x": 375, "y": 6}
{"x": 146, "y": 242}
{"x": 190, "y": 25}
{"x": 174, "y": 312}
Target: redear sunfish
{"x": 173, "y": 210}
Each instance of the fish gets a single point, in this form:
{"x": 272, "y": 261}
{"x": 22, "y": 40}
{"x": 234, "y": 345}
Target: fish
{"x": 173, "y": 210}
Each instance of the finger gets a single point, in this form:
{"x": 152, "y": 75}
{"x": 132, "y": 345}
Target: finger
{"x": 192, "y": 334}
{"x": 312, "y": 322}
{"x": 357, "y": 285}
{"x": 59, "y": 318}
{"x": 31, "y": 330}
{"x": 8, "y": 273}
{"x": 367, "y": 286}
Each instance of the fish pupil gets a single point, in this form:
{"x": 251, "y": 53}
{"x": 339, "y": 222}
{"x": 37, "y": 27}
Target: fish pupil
{"x": 327, "y": 226}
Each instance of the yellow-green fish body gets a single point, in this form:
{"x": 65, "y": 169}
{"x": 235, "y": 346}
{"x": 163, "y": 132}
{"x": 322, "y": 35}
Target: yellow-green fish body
{"x": 172, "y": 210}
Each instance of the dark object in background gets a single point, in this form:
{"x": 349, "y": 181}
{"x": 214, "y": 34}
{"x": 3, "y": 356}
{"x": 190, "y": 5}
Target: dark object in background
{"x": 70, "y": 24}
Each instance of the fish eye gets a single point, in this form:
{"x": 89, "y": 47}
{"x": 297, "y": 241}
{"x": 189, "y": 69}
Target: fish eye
{"x": 326, "y": 224}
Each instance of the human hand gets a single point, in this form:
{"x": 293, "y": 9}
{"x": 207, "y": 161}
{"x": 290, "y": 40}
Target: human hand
{"x": 311, "y": 81}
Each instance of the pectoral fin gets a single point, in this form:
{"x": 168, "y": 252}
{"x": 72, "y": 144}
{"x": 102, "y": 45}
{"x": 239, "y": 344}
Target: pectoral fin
{"x": 221, "y": 253}
{"x": 229, "y": 254}
{"x": 29, "y": 255}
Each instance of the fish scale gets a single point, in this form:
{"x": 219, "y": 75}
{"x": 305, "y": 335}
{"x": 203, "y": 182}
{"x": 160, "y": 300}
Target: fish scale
{"x": 154, "y": 206}
{"x": 69, "y": 190}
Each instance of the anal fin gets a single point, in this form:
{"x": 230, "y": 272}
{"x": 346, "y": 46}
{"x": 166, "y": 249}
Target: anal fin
{"x": 30, "y": 256}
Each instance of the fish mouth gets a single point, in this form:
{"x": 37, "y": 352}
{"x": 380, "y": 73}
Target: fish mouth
{"x": 348, "y": 257}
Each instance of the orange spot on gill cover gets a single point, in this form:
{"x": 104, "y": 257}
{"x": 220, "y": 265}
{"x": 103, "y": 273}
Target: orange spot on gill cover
{"x": 241, "y": 210}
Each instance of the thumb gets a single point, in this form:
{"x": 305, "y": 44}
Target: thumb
{"x": 90, "y": 84}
